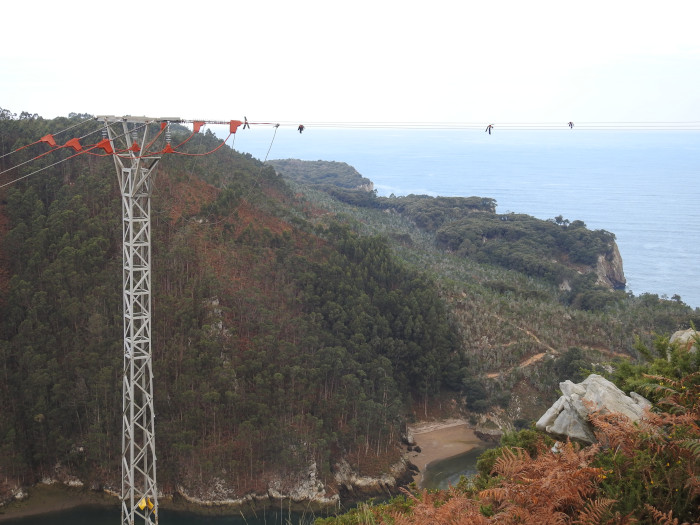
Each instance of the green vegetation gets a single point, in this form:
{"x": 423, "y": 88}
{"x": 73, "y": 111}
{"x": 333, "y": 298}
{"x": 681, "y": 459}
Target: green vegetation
{"x": 559, "y": 251}
{"x": 521, "y": 330}
{"x": 327, "y": 174}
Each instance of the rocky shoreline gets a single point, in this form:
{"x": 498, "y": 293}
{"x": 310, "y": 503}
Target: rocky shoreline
{"x": 308, "y": 495}
{"x": 45, "y": 498}
{"x": 427, "y": 442}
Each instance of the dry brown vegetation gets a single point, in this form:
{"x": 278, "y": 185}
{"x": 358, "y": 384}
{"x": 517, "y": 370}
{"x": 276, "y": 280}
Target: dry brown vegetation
{"x": 637, "y": 473}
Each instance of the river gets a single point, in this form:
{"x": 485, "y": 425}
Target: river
{"x": 442, "y": 474}
{"x": 449, "y": 450}
{"x": 92, "y": 515}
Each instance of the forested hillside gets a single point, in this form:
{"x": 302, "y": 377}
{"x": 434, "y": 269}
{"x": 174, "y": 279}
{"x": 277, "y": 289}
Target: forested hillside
{"x": 521, "y": 331}
{"x": 327, "y": 174}
{"x": 560, "y": 251}
{"x": 279, "y": 340}
{"x": 290, "y": 327}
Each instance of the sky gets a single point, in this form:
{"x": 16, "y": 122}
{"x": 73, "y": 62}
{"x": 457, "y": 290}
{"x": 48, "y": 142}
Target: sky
{"x": 355, "y": 61}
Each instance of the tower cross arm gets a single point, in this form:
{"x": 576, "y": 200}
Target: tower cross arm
{"x": 130, "y": 118}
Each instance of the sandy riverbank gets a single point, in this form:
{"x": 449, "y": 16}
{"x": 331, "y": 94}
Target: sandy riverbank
{"x": 440, "y": 440}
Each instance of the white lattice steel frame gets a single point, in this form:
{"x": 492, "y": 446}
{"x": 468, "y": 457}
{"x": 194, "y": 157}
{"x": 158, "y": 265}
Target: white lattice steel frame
{"x": 139, "y": 492}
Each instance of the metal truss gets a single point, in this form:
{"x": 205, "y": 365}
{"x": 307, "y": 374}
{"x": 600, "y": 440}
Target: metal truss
{"x": 139, "y": 492}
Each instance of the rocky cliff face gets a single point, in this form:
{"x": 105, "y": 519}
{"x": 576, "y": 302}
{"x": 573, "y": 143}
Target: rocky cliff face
{"x": 609, "y": 269}
{"x": 302, "y": 491}
{"x": 353, "y": 487}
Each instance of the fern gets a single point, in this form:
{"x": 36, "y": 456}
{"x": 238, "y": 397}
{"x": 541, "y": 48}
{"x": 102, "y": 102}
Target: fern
{"x": 693, "y": 445}
{"x": 594, "y": 511}
{"x": 548, "y": 489}
{"x": 665, "y": 519}
{"x": 645, "y": 472}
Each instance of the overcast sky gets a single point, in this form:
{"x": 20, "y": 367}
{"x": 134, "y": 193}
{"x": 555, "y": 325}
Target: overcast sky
{"x": 307, "y": 61}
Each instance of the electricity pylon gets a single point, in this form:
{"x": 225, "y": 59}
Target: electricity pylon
{"x": 139, "y": 492}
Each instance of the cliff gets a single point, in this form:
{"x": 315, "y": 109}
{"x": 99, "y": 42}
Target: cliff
{"x": 609, "y": 269}
{"x": 300, "y": 491}
{"x": 323, "y": 173}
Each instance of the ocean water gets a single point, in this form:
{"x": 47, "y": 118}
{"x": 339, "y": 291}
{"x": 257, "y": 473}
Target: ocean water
{"x": 639, "y": 185}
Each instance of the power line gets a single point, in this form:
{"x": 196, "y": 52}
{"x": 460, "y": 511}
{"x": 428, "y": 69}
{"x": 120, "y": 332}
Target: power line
{"x": 450, "y": 125}
{"x": 80, "y": 152}
{"x": 46, "y": 138}
{"x": 140, "y": 122}
{"x": 40, "y": 169}
{"x": 73, "y": 143}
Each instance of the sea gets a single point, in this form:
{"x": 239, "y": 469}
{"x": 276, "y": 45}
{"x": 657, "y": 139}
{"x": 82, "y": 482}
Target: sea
{"x": 638, "y": 184}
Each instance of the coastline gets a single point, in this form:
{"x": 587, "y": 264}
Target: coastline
{"x": 440, "y": 440}
{"x": 47, "y": 499}
{"x": 437, "y": 440}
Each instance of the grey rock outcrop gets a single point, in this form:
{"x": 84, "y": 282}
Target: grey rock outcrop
{"x": 686, "y": 339}
{"x": 354, "y": 487}
{"x": 568, "y": 416}
{"x": 609, "y": 269}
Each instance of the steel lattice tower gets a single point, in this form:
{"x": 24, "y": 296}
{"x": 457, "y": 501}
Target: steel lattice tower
{"x": 139, "y": 492}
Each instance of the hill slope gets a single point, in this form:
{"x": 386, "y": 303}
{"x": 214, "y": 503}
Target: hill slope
{"x": 279, "y": 341}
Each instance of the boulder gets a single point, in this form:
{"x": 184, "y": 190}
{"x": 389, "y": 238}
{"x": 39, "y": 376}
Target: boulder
{"x": 686, "y": 339}
{"x": 568, "y": 416}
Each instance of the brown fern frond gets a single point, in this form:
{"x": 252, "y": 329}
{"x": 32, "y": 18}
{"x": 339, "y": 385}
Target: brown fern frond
{"x": 675, "y": 383}
{"x": 441, "y": 508}
{"x": 511, "y": 462}
{"x": 662, "y": 419}
{"x": 594, "y": 511}
{"x": 551, "y": 488}
{"x": 496, "y": 494}
{"x": 662, "y": 381}
{"x": 692, "y": 445}
{"x": 679, "y": 395}
{"x": 460, "y": 510}
{"x": 515, "y": 514}
{"x": 616, "y": 431}
{"x": 693, "y": 485}
{"x": 661, "y": 518}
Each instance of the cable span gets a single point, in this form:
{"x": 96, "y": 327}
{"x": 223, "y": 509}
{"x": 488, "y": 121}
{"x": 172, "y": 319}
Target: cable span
{"x": 273, "y": 140}
{"x": 564, "y": 126}
{"x": 49, "y": 138}
{"x": 201, "y": 154}
{"x": 49, "y": 166}
{"x": 141, "y": 122}
{"x": 73, "y": 143}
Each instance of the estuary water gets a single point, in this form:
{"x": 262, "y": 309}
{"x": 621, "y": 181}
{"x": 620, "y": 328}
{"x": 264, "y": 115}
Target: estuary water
{"x": 639, "y": 185}
{"x": 90, "y": 515}
{"x": 447, "y": 472}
